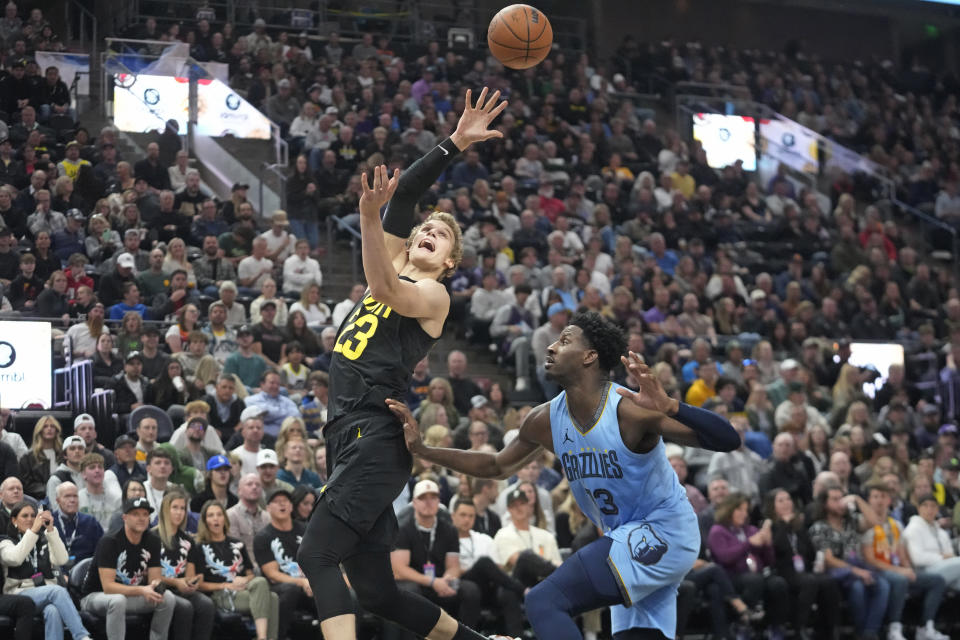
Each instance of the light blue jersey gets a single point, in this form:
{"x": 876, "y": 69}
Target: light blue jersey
{"x": 637, "y": 500}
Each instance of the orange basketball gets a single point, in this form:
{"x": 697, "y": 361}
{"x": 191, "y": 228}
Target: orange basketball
{"x": 519, "y": 36}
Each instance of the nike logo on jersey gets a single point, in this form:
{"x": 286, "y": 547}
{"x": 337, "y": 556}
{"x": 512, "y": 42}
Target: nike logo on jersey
{"x": 445, "y": 152}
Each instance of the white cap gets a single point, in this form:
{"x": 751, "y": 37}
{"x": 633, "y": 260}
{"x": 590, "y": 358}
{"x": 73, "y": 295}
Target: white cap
{"x": 250, "y": 413}
{"x": 83, "y": 418}
{"x": 425, "y": 486}
{"x": 74, "y": 441}
{"x": 267, "y": 456}
{"x": 789, "y": 363}
{"x": 126, "y": 260}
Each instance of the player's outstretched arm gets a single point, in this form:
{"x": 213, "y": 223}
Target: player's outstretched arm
{"x": 675, "y": 421}
{"x": 477, "y": 463}
{"x": 473, "y": 126}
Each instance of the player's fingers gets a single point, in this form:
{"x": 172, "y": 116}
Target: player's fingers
{"x": 363, "y": 182}
{"x": 626, "y": 393}
{"x": 492, "y": 101}
{"x": 493, "y": 134}
{"x": 498, "y": 109}
{"x": 483, "y": 95}
{"x": 468, "y": 99}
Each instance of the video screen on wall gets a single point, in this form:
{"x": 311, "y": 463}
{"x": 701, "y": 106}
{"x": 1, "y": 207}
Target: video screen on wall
{"x": 727, "y": 139}
{"x": 791, "y": 144}
{"x": 876, "y": 357}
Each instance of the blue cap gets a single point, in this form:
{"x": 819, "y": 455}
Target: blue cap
{"x": 218, "y": 462}
{"x": 556, "y": 307}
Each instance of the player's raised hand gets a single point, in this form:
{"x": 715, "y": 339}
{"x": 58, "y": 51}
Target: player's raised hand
{"x": 474, "y": 125}
{"x": 650, "y": 393}
{"x": 411, "y": 430}
{"x": 379, "y": 194}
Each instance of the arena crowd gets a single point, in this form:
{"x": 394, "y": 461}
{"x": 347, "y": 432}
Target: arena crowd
{"x": 744, "y": 297}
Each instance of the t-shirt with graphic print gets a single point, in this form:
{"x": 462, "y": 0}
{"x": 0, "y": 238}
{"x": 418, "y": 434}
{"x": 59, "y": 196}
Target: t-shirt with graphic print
{"x": 272, "y": 545}
{"x": 223, "y": 561}
{"x": 182, "y": 550}
{"x": 129, "y": 561}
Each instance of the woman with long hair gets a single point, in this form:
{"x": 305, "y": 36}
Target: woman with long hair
{"x": 176, "y": 258}
{"x": 858, "y": 415}
{"x": 794, "y": 555}
{"x": 298, "y": 330}
{"x": 129, "y": 337}
{"x": 268, "y": 291}
{"x": 45, "y": 455}
{"x": 106, "y": 364}
{"x": 32, "y": 554}
{"x": 228, "y": 573}
{"x": 170, "y": 388}
{"x": 311, "y": 306}
{"x": 52, "y": 301}
{"x": 179, "y": 557}
{"x": 292, "y": 428}
{"x": 542, "y": 517}
{"x": 439, "y": 392}
{"x": 188, "y": 319}
{"x": 303, "y": 499}
{"x": 745, "y": 551}
{"x": 47, "y": 260}
{"x": 847, "y": 388}
{"x": 818, "y": 447}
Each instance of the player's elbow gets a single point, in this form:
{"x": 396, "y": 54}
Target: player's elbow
{"x": 729, "y": 440}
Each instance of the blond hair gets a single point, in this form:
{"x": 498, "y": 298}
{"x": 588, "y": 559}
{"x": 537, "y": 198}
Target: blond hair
{"x": 37, "y": 445}
{"x": 456, "y": 251}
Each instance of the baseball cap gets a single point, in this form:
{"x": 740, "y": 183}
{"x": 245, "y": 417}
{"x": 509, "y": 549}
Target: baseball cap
{"x": 266, "y": 456}
{"x": 953, "y": 464}
{"x": 137, "y": 503}
{"x": 126, "y": 260}
{"x": 425, "y": 486}
{"x": 758, "y": 294}
{"x": 237, "y": 186}
{"x": 927, "y": 497}
{"x": 75, "y": 214}
{"x": 556, "y": 307}
{"x": 218, "y": 462}
{"x": 478, "y": 401}
{"x": 74, "y": 441}
{"x": 788, "y": 364}
{"x": 245, "y": 330}
{"x": 283, "y": 84}
{"x": 268, "y": 303}
{"x": 517, "y": 494}
{"x": 259, "y": 22}
{"x": 931, "y": 410}
{"x": 947, "y": 429}
{"x": 280, "y": 217}
{"x": 123, "y": 440}
{"x": 251, "y": 412}
{"x": 133, "y": 355}
{"x": 83, "y": 418}
{"x": 881, "y": 439}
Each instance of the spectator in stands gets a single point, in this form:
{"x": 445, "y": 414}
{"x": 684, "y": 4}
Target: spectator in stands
{"x": 295, "y": 471}
{"x": 236, "y": 313}
{"x": 11, "y": 438}
{"x": 217, "y": 483}
{"x": 126, "y": 466}
{"x": 154, "y": 361}
{"x": 245, "y": 363}
{"x": 130, "y": 387}
{"x": 95, "y": 498}
{"x": 187, "y": 200}
{"x": 11, "y": 493}
{"x": 267, "y": 468}
{"x": 837, "y": 534}
{"x": 225, "y": 407}
{"x": 530, "y": 553}
{"x": 275, "y": 547}
{"x": 795, "y": 558}
{"x": 74, "y": 448}
{"x": 254, "y": 269}
{"x": 80, "y": 532}
{"x": 177, "y": 173}
{"x": 885, "y": 552}
{"x": 300, "y": 270}
{"x": 110, "y": 290}
{"x": 744, "y": 551}
{"x": 675, "y": 456}
{"x": 159, "y": 468}
{"x": 31, "y": 554}
{"x": 269, "y": 292}
{"x": 125, "y": 573}
{"x": 251, "y": 437}
{"x": 740, "y": 468}
{"x": 247, "y": 517}
{"x": 274, "y": 406}
{"x": 44, "y": 456}
{"x": 787, "y": 469}
{"x": 193, "y": 614}
{"x": 26, "y": 287}
{"x": 151, "y": 170}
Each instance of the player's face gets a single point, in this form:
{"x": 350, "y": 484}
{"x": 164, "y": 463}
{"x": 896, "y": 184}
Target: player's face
{"x": 432, "y": 245}
{"x": 565, "y": 357}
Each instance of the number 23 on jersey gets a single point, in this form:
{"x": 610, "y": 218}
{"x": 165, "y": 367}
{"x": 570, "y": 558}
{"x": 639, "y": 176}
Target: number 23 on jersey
{"x": 354, "y": 337}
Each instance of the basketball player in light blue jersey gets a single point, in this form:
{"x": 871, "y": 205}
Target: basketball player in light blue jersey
{"x": 609, "y": 440}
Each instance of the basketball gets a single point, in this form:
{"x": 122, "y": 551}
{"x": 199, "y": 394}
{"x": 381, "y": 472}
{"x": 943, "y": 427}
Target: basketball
{"x": 520, "y": 36}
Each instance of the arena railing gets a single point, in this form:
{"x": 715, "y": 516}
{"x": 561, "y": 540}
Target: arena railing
{"x": 81, "y": 27}
{"x": 335, "y": 224}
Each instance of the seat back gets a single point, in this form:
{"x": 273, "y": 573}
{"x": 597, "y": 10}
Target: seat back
{"x": 164, "y": 423}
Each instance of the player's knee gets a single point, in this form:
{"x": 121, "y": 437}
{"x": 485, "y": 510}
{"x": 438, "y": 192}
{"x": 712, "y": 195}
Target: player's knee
{"x": 377, "y": 599}
{"x": 314, "y": 556}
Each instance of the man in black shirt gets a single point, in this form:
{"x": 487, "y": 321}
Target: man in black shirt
{"x": 485, "y": 492}
{"x": 151, "y": 170}
{"x": 275, "y": 550}
{"x": 427, "y": 558}
{"x": 124, "y": 575}
{"x": 464, "y": 388}
{"x": 267, "y": 335}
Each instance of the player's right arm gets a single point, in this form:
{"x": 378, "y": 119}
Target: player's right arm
{"x": 534, "y": 434}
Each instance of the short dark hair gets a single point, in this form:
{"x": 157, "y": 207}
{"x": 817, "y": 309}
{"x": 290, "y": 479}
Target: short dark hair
{"x": 158, "y": 453}
{"x": 603, "y": 336}
{"x": 465, "y": 502}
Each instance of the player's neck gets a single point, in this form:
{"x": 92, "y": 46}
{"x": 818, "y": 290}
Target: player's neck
{"x": 584, "y": 395}
{"x": 415, "y": 273}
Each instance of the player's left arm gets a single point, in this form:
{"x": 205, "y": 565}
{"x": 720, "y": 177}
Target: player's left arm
{"x": 654, "y": 411}
{"x": 422, "y": 299}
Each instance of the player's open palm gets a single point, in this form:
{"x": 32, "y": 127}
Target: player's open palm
{"x": 474, "y": 125}
{"x": 382, "y": 189}
{"x": 650, "y": 394}
{"x": 411, "y": 430}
